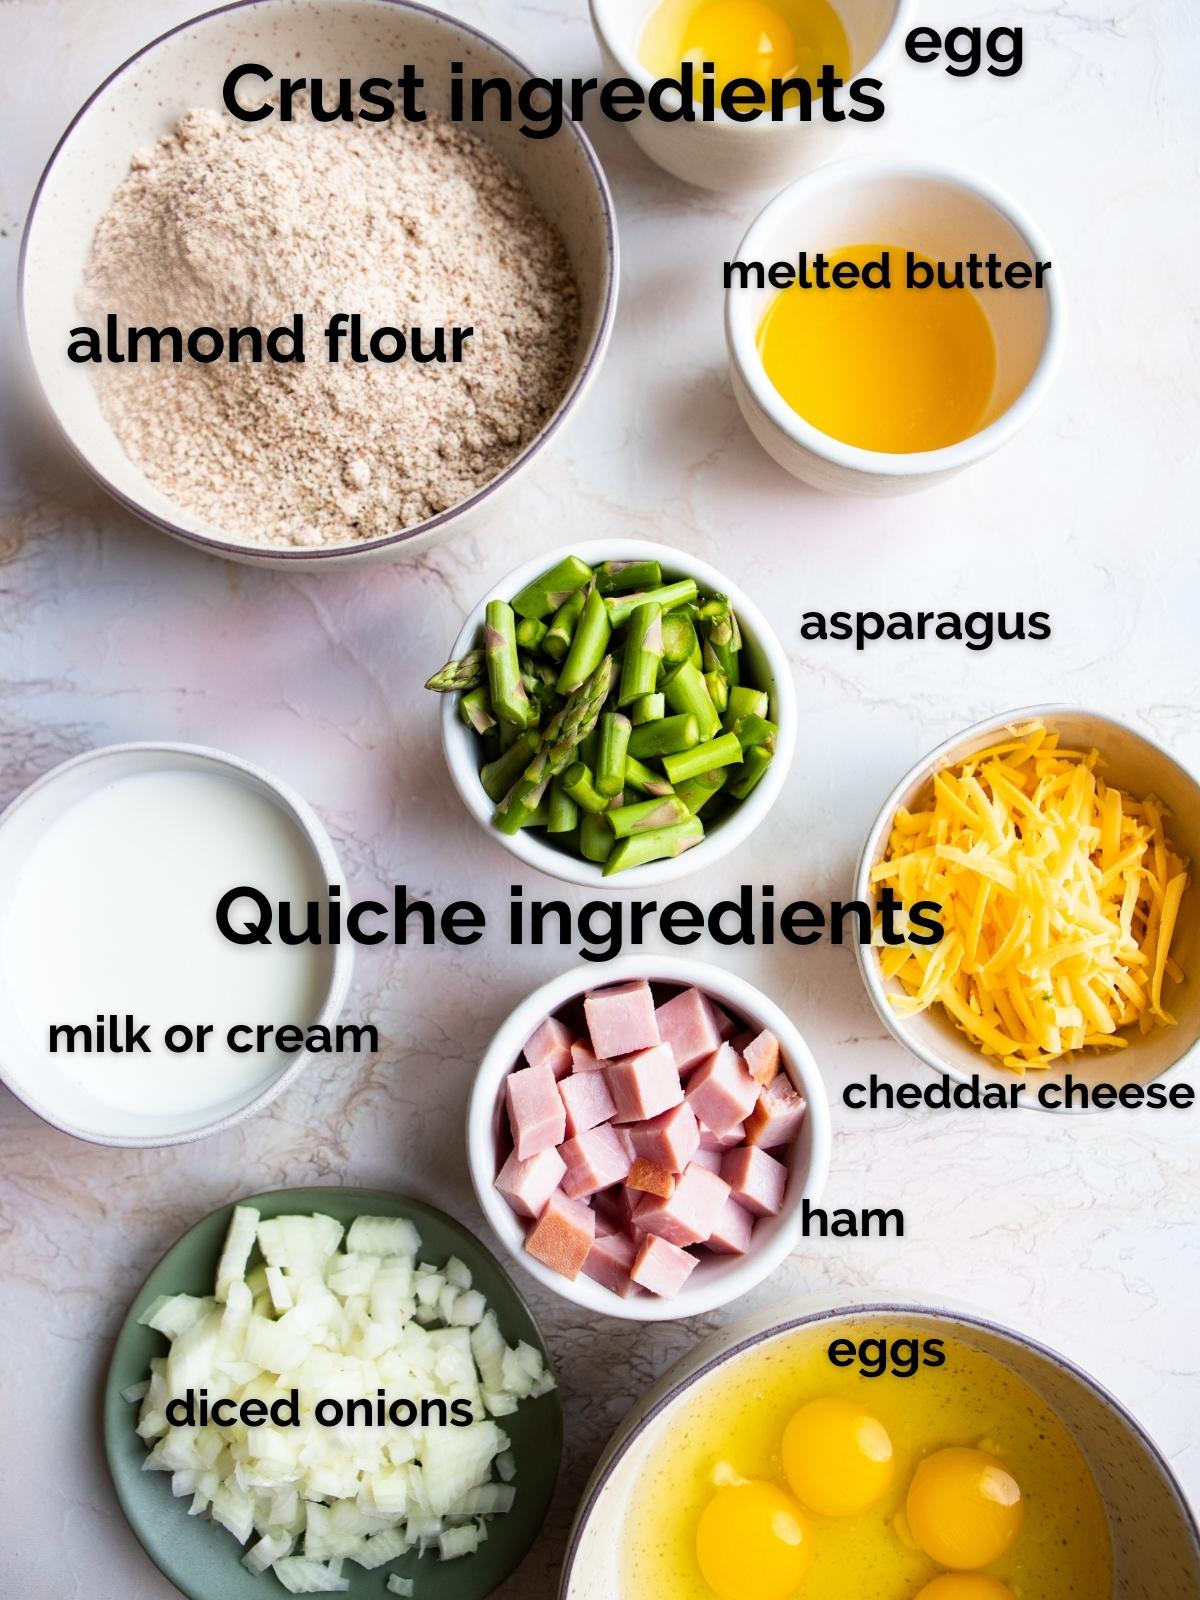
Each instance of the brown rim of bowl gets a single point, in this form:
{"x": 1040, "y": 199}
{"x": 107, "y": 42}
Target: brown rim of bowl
{"x": 879, "y": 1308}
{"x": 272, "y": 553}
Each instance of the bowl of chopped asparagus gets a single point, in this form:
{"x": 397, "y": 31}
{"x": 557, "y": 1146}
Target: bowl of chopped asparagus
{"x": 617, "y": 710}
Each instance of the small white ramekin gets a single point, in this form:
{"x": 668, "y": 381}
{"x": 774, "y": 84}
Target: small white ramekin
{"x": 26, "y": 1070}
{"x": 717, "y": 1279}
{"x": 762, "y": 648}
{"x": 739, "y": 157}
{"x": 907, "y": 205}
{"x": 1133, "y": 762}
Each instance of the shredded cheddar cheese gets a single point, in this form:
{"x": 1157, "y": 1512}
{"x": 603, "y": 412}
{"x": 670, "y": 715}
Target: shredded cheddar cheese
{"x": 1060, "y": 896}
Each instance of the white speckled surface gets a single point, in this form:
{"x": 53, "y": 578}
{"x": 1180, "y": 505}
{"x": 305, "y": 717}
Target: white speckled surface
{"x": 1084, "y": 1230}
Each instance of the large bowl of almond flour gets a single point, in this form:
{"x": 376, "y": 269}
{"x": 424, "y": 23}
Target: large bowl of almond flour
{"x": 493, "y": 254}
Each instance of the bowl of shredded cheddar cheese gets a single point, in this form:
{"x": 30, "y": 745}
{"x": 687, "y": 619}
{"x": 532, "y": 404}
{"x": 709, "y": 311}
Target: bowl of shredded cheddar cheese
{"x": 1060, "y": 847}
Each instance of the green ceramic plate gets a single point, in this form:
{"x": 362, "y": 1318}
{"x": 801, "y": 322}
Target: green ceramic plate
{"x": 204, "y": 1561}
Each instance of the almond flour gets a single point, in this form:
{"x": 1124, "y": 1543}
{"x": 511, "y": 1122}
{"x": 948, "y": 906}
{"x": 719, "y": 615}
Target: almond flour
{"x": 411, "y": 226}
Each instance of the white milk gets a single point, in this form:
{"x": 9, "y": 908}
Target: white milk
{"x": 113, "y": 911}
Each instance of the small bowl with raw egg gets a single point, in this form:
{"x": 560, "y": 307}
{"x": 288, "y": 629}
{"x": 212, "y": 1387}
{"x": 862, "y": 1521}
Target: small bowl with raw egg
{"x": 1059, "y": 846}
{"x": 889, "y": 323}
{"x": 772, "y": 82}
{"x": 906, "y": 1452}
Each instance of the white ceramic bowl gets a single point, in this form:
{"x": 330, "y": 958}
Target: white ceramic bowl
{"x": 1134, "y": 763}
{"x": 41, "y": 1080}
{"x": 1156, "y": 1542}
{"x": 184, "y": 68}
{"x": 717, "y": 1279}
{"x": 765, "y": 656}
{"x": 744, "y": 156}
{"x": 907, "y": 205}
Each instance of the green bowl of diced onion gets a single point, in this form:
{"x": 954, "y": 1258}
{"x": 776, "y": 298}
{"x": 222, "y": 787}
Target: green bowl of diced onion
{"x": 500, "y": 1497}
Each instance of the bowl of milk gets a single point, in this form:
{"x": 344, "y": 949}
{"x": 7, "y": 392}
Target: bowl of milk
{"x": 128, "y": 1015}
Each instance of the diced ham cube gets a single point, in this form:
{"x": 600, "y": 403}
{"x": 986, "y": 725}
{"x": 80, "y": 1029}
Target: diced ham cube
{"x": 711, "y": 1159}
{"x": 721, "y": 1092}
{"x": 563, "y": 1235}
{"x": 610, "y": 1260}
{"x": 690, "y": 1214}
{"x": 726, "y": 1026}
{"x": 650, "y": 1179}
{"x": 594, "y": 1160}
{"x": 761, "y": 1056}
{"x": 731, "y": 1236}
{"x": 586, "y": 1101}
{"x": 643, "y": 1084}
{"x": 777, "y": 1115}
{"x": 582, "y": 1059}
{"x": 549, "y": 1045}
{"x": 662, "y": 1267}
{"x": 669, "y": 1140}
{"x": 527, "y": 1185}
{"x": 620, "y": 1019}
{"x": 756, "y": 1180}
{"x": 535, "y": 1110}
{"x": 720, "y": 1142}
{"x": 687, "y": 1024}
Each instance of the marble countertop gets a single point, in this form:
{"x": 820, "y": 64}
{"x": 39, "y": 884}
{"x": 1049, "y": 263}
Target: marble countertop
{"x": 1082, "y": 1230}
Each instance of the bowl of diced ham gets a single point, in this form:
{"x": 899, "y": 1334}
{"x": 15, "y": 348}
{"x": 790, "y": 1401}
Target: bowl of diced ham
{"x": 643, "y": 1144}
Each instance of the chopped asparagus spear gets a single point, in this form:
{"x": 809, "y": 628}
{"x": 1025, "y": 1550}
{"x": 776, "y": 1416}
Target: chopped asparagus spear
{"x": 645, "y": 779}
{"x": 724, "y": 751}
{"x": 518, "y": 816}
{"x": 466, "y": 673}
{"x": 562, "y": 814}
{"x": 510, "y": 701}
{"x": 745, "y": 702}
{"x": 686, "y": 691}
{"x": 718, "y": 688}
{"x": 643, "y": 654}
{"x": 648, "y": 708}
{"x": 754, "y": 730}
{"x": 621, "y": 607}
{"x": 562, "y": 628}
{"x": 619, "y": 577}
{"x": 664, "y": 736}
{"x": 646, "y": 814}
{"x": 499, "y": 776}
{"x": 475, "y": 709}
{"x": 722, "y": 637}
{"x": 679, "y": 638}
{"x": 658, "y": 844}
{"x": 546, "y": 593}
{"x": 530, "y": 634}
{"x": 614, "y": 748}
{"x": 592, "y": 633}
{"x": 595, "y": 838}
{"x": 754, "y": 767}
{"x": 698, "y": 791}
{"x": 579, "y": 783}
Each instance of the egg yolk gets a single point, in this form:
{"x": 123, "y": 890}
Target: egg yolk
{"x": 746, "y": 39}
{"x": 753, "y": 1543}
{"x": 742, "y": 39}
{"x": 964, "y": 1508}
{"x": 837, "y": 1458}
{"x": 966, "y": 1586}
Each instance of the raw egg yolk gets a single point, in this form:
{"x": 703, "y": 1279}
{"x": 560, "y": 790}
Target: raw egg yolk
{"x": 837, "y": 1458}
{"x": 753, "y": 1543}
{"x": 742, "y": 39}
{"x": 966, "y": 1586}
{"x": 964, "y": 1508}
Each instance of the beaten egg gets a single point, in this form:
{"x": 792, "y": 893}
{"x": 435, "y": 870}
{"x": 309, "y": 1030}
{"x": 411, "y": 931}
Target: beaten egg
{"x": 783, "y": 1477}
{"x": 756, "y": 39}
